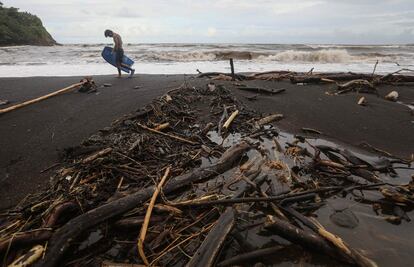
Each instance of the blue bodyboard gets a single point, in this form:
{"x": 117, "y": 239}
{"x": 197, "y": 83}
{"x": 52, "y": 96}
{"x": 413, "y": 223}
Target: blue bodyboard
{"x": 110, "y": 57}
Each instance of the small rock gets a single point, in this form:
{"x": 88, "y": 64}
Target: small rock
{"x": 107, "y": 85}
{"x": 168, "y": 98}
{"x": 95, "y": 138}
{"x": 393, "y": 96}
{"x": 105, "y": 130}
{"x": 211, "y": 87}
{"x": 4, "y": 102}
{"x": 362, "y": 101}
{"x": 137, "y": 87}
{"x": 345, "y": 218}
{"x": 128, "y": 123}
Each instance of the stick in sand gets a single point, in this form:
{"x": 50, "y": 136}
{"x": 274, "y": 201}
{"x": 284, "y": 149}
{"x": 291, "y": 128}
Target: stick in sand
{"x": 230, "y": 120}
{"x": 144, "y": 227}
{"x": 73, "y": 86}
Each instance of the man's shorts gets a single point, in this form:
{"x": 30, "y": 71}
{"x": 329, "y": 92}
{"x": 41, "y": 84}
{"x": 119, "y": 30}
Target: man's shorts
{"x": 119, "y": 56}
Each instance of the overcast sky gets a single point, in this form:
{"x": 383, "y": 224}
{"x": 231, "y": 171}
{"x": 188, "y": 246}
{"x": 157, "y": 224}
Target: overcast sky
{"x": 227, "y": 21}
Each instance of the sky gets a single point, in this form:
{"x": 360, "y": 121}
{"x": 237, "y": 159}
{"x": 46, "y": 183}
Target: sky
{"x": 227, "y": 21}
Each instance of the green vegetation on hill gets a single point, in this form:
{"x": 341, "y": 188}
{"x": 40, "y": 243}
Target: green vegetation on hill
{"x": 22, "y": 28}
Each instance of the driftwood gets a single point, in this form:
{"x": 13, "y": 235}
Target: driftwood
{"x": 310, "y": 131}
{"x": 284, "y": 197}
{"x": 257, "y": 254}
{"x": 285, "y": 172}
{"x": 168, "y": 135}
{"x": 101, "y": 153}
{"x": 28, "y": 259}
{"x": 206, "y": 254}
{"x": 341, "y": 246}
{"x": 310, "y": 241}
{"x": 238, "y": 76}
{"x": 392, "y": 96}
{"x": 316, "y": 78}
{"x": 211, "y": 246}
{"x": 135, "y": 222}
{"x": 30, "y": 238}
{"x": 144, "y": 227}
{"x": 61, "y": 91}
{"x": 362, "y": 86}
{"x": 262, "y": 90}
{"x": 270, "y": 119}
{"x": 227, "y": 124}
{"x": 64, "y": 237}
{"x": 362, "y": 101}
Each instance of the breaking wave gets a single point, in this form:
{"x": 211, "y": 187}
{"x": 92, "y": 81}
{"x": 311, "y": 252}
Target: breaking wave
{"x": 182, "y": 56}
{"x": 324, "y": 56}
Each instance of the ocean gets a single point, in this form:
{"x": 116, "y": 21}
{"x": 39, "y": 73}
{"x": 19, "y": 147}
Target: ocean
{"x": 85, "y": 59}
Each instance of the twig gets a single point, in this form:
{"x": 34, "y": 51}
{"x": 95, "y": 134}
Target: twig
{"x": 168, "y": 135}
{"x": 148, "y": 217}
{"x": 196, "y": 203}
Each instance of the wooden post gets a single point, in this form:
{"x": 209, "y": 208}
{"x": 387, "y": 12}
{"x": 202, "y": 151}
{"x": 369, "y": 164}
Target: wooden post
{"x": 232, "y": 69}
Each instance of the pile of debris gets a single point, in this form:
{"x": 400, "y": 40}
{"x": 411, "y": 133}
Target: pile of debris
{"x": 345, "y": 82}
{"x": 182, "y": 181}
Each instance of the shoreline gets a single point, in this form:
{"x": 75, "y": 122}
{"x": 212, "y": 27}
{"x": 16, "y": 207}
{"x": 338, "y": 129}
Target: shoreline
{"x": 33, "y": 137}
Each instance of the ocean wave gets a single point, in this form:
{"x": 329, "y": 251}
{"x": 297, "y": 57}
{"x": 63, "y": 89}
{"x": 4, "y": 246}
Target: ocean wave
{"x": 324, "y": 55}
{"x": 327, "y": 56}
{"x": 177, "y": 56}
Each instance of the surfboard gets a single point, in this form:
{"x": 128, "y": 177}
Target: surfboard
{"x": 110, "y": 57}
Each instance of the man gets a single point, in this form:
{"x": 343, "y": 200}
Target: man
{"x": 119, "y": 52}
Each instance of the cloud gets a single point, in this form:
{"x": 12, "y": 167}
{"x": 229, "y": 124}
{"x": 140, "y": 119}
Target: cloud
{"x": 259, "y": 21}
{"x": 211, "y": 31}
{"x": 294, "y": 7}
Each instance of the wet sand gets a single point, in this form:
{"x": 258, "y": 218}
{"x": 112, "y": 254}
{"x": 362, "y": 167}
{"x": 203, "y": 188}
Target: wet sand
{"x": 32, "y": 138}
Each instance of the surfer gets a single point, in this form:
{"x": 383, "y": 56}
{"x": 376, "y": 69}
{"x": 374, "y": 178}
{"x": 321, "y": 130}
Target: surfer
{"x": 119, "y": 52}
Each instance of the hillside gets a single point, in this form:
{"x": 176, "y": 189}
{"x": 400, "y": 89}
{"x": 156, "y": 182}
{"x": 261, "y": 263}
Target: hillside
{"x": 22, "y": 28}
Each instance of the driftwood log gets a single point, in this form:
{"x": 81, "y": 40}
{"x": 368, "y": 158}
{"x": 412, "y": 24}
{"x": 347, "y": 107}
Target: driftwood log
{"x": 211, "y": 246}
{"x": 209, "y": 249}
{"x": 315, "y": 242}
{"x": 61, "y": 91}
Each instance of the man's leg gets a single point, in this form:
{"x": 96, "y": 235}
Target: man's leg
{"x": 119, "y": 56}
{"x": 131, "y": 70}
{"x": 119, "y": 70}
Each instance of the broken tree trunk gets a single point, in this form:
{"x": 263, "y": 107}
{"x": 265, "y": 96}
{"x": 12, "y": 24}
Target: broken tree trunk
{"x": 63, "y": 238}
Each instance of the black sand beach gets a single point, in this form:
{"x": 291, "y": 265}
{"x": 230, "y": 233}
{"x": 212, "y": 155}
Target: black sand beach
{"x": 31, "y": 138}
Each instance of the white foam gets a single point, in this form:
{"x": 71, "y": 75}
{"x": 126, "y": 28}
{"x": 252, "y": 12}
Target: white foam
{"x": 186, "y": 68}
{"x": 323, "y": 56}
